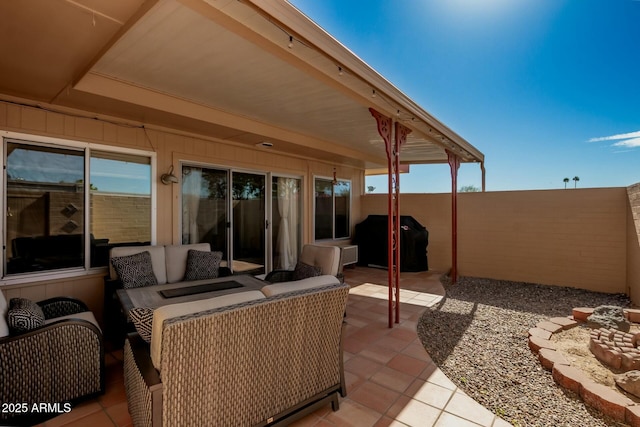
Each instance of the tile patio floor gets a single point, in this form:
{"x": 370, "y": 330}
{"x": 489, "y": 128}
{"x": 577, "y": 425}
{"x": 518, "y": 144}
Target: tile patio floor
{"x": 391, "y": 380}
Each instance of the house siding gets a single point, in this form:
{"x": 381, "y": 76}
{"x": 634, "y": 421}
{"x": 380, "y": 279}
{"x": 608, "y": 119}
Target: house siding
{"x": 171, "y": 148}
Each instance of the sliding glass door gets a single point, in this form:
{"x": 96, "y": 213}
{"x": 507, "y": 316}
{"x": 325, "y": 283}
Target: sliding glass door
{"x": 286, "y": 217}
{"x": 249, "y": 222}
{"x": 242, "y": 214}
{"x": 204, "y": 207}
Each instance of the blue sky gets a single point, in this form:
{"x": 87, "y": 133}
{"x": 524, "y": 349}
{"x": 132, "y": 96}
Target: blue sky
{"x": 546, "y": 89}
{"x": 67, "y": 167}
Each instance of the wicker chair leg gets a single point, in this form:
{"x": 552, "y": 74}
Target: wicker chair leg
{"x": 335, "y": 403}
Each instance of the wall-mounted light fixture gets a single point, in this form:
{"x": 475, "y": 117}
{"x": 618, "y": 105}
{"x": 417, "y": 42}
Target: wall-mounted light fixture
{"x": 169, "y": 178}
{"x": 335, "y": 180}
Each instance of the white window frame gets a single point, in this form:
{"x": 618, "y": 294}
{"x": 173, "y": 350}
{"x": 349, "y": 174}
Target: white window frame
{"x": 333, "y": 213}
{"x": 86, "y": 147}
{"x": 269, "y": 175}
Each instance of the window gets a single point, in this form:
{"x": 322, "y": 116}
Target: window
{"x": 45, "y": 208}
{"x": 226, "y": 209}
{"x": 204, "y": 207}
{"x": 54, "y": 221}
{"x": 332, "y": 209}
{"x": 120, "y": 198}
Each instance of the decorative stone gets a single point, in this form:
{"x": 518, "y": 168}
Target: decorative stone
{"x": 605, "y": 399}
{"x": 569, "y": 377}
{"x": 632, "y": 314}
{"x": 609, "y": 316}
{"x": 630, "y": 362}
{"x": 536, "y": 343}
{"x": 549, "y": 358}
{"x": 540, "y": 333}
{"x": 549, "y": 326}
{"x": 629, "y": 382}
{"x": 632, "y": 416}
{"x": 581, "y": 313}
{"x": 565, "y": 322}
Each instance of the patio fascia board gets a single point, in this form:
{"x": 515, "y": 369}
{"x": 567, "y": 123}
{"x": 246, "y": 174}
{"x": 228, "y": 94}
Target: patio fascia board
{"x": 110, "y": 88}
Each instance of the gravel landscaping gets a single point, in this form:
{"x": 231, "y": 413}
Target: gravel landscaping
{"x": 477, "y": 335}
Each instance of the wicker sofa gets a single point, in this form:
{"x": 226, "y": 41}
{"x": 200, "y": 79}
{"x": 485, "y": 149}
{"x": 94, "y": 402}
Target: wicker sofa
{"x": 169, "y": 266}
{"x": 254, "y": 358}
{"x": 60, "y": 362}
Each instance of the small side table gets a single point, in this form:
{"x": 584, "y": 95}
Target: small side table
{"x": 115, "y": 320}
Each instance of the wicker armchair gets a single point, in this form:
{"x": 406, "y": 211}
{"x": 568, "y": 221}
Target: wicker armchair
{"x": 327, "y": 258}
{"x": 61, "y": 362}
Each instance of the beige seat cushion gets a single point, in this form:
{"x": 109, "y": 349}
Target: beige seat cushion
{"x": 176, "y": 258}
{"x": 325, "y": 257}
{"x": 298, "y": 285}
{"x": 174, "y": 310}
{"x": 157, "y": 260}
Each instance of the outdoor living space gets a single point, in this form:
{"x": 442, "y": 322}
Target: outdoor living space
{"x": 391, "y": 379}
{"x": 246, "y": 126}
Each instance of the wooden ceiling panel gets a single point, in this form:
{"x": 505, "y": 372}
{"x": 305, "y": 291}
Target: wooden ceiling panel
{"x": 215, "y": 67}
{"x": 45, "y": 44}
{"x": 116, "y": 10}
{"x": 225, "y": 71}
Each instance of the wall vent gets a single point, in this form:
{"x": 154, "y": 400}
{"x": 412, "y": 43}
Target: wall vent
{"x": 349, "y": 254}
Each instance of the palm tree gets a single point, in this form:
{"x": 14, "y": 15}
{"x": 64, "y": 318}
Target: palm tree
{"x": 576, "y": 179}
{"x": 566, "y": 181}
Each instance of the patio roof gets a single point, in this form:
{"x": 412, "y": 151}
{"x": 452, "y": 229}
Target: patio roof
{"x": 243, "y": 71}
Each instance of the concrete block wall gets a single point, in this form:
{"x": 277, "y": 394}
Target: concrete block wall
{"x": 633, "y": 242}
{"x": 121, "y": 218}
{"x": 40, "y": 213}
{"x": 66, "y": 213}
{"x": 570, "y": 237}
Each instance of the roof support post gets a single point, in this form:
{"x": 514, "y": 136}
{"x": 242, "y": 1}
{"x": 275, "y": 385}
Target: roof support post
{"x": 484, "y": 175}
{"x": 454, "y": 164}
{"x": 393, "y": 208}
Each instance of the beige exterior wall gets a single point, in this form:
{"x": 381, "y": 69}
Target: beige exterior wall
{"x": 574, "y": 238}
{"x": 633, "y": 242}
{"x": 171, "y": 148}
{"x": 87, "y": 288}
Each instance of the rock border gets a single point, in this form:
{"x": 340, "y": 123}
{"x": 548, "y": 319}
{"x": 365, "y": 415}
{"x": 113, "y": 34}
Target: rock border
{"x": 615, "y": 348}
{"x": 602, "y": 398}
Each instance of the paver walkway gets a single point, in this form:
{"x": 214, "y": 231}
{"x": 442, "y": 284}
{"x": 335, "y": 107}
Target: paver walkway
{"x": 391, "y": 380}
